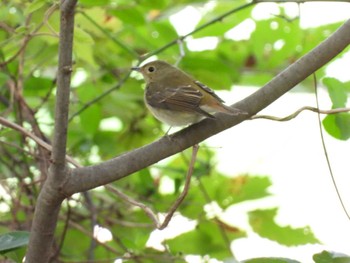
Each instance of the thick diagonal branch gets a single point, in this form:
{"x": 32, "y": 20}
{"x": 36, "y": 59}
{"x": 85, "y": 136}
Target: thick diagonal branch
{"x": 86, "y": 178}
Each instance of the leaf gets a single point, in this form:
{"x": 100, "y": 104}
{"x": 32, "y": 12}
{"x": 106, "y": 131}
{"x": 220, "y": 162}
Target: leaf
{"x": 338, "y": 125}
{"x": 85, "y": 55}
{"x": 224, "y": 25}
{"x": 265, "y": 37}
{"x": 134, "y": 238}
{"x": 330, "y": 257}
{"x": 13, "y": 240}
{"x": 144, "y": 183}
{"x": 90, "y": 3}
{"x": 270, "y": 260}
{"x": 130, "y": 15}
{"x": 337, "y": 91}
{"x": 227, "y": 191}
{"x": 75, "y": 242}
{"x": 203, "y": 240}
{"x": 90, "y": 119}
{"x": 208, "y": 69}
{"x": 81, "y": 35}
{"x": 37, "y": 86}
{"x": 34, "y": 6}
{"x": 262, "y": 222}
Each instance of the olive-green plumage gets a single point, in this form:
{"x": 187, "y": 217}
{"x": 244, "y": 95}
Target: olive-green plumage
{"x": 176, "y": 98}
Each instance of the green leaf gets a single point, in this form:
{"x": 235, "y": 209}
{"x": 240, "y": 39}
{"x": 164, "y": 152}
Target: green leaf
{"x": 270, "y": 260}
{"x": 208, "y": 69}
{"x": 90, "y": 3}
{"x": 144, "y": 183}
{"x": 265, "y": 37}
{"x": 337, "y": 91}
{"x": 220, "y": 28}
{"x": 90, "y": 119}
{"x": 130, "y": 15}
{"x": 87, "y": 92}
{"x": 227, "y": 191}
{"x": 134, "y": 238}
{"x": 16, "y": 255}
{"x": 13, "y": 240}
{"x": 262, "y": 222}
{"x": 338, "y": 125}
{"x": 75, "y": 242}
{"x": 34, "y": 6}
{"x": 330, "y": 257}
{"x": 257, "y": 79}
{"x": 204, "y": 240}
{"x": 37, "y": 86}
{"x": 81, "y": 35}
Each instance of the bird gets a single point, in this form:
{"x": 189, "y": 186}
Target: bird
{"x": 176, "y": 98}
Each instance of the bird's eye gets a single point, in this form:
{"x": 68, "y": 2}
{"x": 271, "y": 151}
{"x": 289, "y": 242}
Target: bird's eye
{"x": 151, "y": 69}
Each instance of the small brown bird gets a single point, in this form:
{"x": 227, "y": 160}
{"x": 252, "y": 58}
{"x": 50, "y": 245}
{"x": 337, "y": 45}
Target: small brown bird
{"x": 176, "y": 98}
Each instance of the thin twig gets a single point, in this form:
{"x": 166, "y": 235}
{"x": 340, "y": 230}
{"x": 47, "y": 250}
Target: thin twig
{"x": 20, "y": 149}
{"x": 29, "y": 36}
{"x": 6, "y": 27}
{"x": 87, "y": 232}
{"x": 213, "y": 21}
{"x": 47, "y": 15}
{"x": 128, "y": 199}
{"x": 296, "y": 113}
{"x": 173, "y": 208}
{"x": 185, "y": 190}
{"x": 93, "y": 218}
{"x": 124, "y": 223}
{"x": 23, "y": 46}
{"x": 326, "y": 153}
{"x": 181, "y": 50}
{"x": 109, "y": 35}
{"x": 104, "y": 94}
{"x": 39, "y": 141}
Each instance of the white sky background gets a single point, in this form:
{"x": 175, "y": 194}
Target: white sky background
{"x": 290, "y": 152}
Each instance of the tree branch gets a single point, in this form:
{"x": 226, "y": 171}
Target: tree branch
{"x": 176, "y": 204}
{"x": 184, "y": 192}
{"x": 89, "y": 177}
{"x": 35, "y": 138}
{"x": 49, "y": 200}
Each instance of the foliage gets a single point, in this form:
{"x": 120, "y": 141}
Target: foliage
{"x": 330, "y": 257}
{"x": 12, "y": 244}
{"x": 338, "y": 125}
{"x": 108, "y": 117}
{"x": 263, "y": 223}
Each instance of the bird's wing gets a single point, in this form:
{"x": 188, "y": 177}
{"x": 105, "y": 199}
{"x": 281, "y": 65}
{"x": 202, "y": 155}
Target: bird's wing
{"x": 207, "y": 89}
{"x": 182, "y": 98}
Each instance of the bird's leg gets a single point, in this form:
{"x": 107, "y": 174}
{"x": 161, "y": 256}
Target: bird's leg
{"x": 167, "y": 132}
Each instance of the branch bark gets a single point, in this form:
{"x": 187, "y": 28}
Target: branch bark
{"x": 82, "y": 179}
{"x": 50, "y": 199}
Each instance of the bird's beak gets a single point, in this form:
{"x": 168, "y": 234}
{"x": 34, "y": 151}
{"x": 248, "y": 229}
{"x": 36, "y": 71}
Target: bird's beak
{"x": 136, "y": 69}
